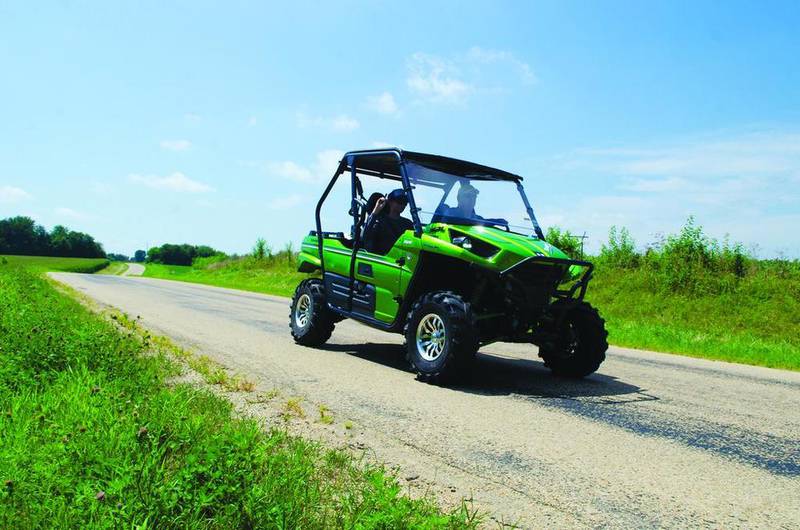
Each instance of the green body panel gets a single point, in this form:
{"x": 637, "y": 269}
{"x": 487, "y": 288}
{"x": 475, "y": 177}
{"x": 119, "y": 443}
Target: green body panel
{"x": 392, "y": 273}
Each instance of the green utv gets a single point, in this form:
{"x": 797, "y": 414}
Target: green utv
{"x": 454, "y": 280}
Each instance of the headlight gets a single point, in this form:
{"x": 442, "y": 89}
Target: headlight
{"x": 463, "y": 242}
{"x": 476, "y": 246}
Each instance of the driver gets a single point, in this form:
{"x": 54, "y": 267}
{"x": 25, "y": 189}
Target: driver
{"x": 467, "y": 197}
{"x": 384, "y": 224}
{"x": 465, "y": 209}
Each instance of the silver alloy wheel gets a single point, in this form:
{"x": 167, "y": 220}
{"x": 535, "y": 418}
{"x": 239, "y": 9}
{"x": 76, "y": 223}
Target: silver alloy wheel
{"x": 302, "y": 311}
{"x": 430, "y": 337}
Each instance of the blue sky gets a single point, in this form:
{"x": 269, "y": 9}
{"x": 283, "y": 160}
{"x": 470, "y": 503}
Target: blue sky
{"x": 157, "y": 122}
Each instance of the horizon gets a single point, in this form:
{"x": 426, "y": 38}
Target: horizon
{"x": 206, "y": 125}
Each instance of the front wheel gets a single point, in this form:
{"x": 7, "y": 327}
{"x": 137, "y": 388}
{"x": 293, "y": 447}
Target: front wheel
{"x": 440, "y": 337}
{"x": 309, "y": 317}
{"x": 581, "y": 344}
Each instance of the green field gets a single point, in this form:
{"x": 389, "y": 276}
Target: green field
{"x": 756, "y": 323}
{"x": 44, "y": 263}
{"x": 115, "y": 268}
{"x": 269, "y": 278}
{"x": 91, "y": 435}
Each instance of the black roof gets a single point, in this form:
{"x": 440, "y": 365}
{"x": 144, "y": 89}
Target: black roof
{"x": 384, "y": 162}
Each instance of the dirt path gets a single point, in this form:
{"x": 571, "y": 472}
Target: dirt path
{"x": 650, "y": 440}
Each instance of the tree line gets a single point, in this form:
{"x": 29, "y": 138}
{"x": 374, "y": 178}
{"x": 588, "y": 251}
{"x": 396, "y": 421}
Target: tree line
{"x": 171, "y": 254}
{"x": 22, "y": 236}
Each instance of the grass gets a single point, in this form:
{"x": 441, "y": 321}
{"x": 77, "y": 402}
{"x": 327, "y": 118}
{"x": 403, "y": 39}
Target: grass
{"x": 276, "y": 279}
{"x": 114, "y": 268}
{"x": 757, "y": 322}
{"x": 44, "y": 263}
{"x": 93, "y": 435}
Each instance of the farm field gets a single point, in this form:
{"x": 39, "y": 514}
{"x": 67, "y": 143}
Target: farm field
{"x": 45, "y": 263}
{"x": 277, "y": 279}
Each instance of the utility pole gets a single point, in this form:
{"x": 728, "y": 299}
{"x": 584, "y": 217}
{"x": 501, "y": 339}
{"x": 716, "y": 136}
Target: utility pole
{"x": 582, "y": 238}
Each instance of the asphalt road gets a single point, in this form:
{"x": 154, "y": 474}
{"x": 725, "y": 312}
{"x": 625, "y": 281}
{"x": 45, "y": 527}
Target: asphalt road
{"x": 134, "y": 269}
{"x": 650, "y": 440}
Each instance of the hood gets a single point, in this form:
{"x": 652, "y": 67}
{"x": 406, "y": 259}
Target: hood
{"x": 521, "y": 245}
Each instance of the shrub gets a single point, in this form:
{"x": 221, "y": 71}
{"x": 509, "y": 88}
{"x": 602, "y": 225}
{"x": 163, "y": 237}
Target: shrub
{"x": 261, "y": 250}
{"x": 620, "y": 250}
{"x": 170, "y": 254}
{"x": 205, "y": 263}
{"x": 566, "y": 241}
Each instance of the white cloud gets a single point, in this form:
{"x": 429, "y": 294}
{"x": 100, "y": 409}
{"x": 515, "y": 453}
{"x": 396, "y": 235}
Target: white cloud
{"x": 339, "y": 123}
{"x": 286, "y": 203}
{"x": 174, "y": 182}
{"x": 657, "y": 185}
{"x": 290, "y": 170}
{"x": 69, "y": 213}
{"x": 176, "y": 145}
{"x": 381, "y": 145}
{"x": 763, "y": 154}
{"x": 435, "y": 79}
{"x": 489, "y": 56}
{"x": 383, "y": 103}
{"x": 192, "y": 117}
{"x": 321, "y": 169}
{"x": 12, "y": 194}
{"x": 733, "y": 183}
{"x": 252, "y": 121}
{"x": 454, "y": 79}
{"x": 344, "y": 123}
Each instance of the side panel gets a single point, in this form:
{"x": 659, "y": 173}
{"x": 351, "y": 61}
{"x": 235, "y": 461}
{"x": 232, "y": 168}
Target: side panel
{"x": 380, "y": 281}
{"x": 338, "y": 288}
{"x": 409, "y": 247}
{"x": 382, "y": 273}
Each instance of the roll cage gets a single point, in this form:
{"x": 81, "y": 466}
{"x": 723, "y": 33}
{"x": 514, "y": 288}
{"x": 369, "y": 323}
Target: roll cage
{"x": 392, "y": 164}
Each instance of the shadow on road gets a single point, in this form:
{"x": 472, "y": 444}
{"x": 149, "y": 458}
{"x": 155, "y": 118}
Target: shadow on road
{"x": 601, "y": 398}
{"x": 493, "y": 375}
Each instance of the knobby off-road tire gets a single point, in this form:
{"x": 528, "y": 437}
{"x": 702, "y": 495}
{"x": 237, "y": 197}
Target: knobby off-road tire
{"x": 440, "y": 337}
{"x": 582, "y": 343}
{"x": 310, "y": 319}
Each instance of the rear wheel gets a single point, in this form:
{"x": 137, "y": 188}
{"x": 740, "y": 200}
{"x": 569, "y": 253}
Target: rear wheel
{"x": 440, "y": 337}
{"x": 309, "y": 318}
{"x": 581, "y": 345}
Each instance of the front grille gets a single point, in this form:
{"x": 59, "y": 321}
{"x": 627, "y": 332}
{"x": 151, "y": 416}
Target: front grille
{"x": 533, "y": 284}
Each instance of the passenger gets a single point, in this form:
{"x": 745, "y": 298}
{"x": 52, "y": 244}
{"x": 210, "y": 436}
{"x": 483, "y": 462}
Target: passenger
{"x": 385, "y": 224}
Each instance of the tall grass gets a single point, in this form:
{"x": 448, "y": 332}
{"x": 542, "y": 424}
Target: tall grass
{"x": 688, "y": 293}
{"x": 91, "y": 436}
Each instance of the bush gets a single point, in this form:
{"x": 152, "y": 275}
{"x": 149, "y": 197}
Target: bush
{"x": 170, "y": 254}
{"x": 261, "y": 250}
{"x": 687, "y": 262}
{"x": 565, "y": 241}
{"x": 205, "y": 263}
{"x": 620, "y": 250}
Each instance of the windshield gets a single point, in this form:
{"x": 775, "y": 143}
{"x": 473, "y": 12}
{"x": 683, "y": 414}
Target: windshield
{"x": 470, "y": 200}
